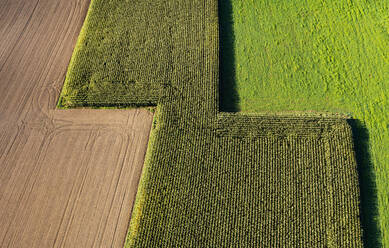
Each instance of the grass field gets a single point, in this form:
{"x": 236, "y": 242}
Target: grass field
{"x": 315, "y": 56}
{"x": 212, "y": 179}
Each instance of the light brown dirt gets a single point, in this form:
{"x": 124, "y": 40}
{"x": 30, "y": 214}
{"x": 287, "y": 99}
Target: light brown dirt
{"x": 68, "y": 178}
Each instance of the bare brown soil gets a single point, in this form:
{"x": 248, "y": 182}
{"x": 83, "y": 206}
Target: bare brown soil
{"x": 68, "y": 178}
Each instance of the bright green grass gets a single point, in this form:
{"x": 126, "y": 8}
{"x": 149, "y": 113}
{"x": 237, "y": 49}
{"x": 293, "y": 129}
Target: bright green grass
{"x": 317, "y": 55}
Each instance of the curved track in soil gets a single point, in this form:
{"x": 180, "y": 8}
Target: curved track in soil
{"x": 68, "y": 178}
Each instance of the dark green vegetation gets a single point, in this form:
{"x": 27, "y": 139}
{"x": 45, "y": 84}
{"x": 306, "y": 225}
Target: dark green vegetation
{"x": 118, "y": 60}
{"x": 317, "y": 55}
{"x": 268, "y": 182}
{"x": 212, "y": 179}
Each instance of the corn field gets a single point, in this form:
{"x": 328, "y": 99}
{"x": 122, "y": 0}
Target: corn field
{"x": 212, "y": 179}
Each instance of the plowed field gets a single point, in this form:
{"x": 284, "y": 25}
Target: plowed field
{"x": 67, "y": 178}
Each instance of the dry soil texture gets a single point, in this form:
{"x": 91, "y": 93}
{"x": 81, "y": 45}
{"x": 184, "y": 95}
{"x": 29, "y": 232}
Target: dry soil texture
{"x": 68, "y": 178}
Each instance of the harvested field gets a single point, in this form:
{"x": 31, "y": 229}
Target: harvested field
{"x": 213, "y": 179}
{"x": 67, "y": 178}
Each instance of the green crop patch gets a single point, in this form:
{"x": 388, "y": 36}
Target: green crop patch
{"x": 118, "y": 59}
{"x": 283, "y": 187}
{"x": 212, "y": 179}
